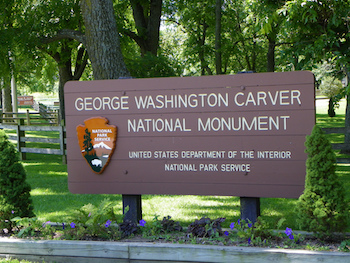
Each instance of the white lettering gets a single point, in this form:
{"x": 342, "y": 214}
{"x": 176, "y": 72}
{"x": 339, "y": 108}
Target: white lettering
{"x": 260, "y": 98}
{"x": 182, "y": 101}
{"x": 261, "y": 123}
{"x": 230, "y": 167}
{"x": 158, "y": 125}
{"x": 274, "y": 154}
{"x": 79, "y": 105}
{"x": 182, "y": 167}
{"x": 104, "y": 103}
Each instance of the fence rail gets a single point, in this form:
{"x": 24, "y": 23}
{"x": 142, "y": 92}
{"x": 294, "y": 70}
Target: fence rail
{"x": 30, "y": 118}
{"x": 22, "y": 139}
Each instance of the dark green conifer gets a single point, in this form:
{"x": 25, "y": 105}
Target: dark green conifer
{"x": 322, "y": 207}
{"x": 15, "y": 197}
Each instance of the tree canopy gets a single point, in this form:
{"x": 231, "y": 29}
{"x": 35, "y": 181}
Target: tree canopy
{"x": 45, "y": 42}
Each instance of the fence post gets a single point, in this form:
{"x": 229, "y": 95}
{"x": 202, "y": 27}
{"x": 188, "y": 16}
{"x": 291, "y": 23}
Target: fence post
{"x": 28, "y": 117}
{"x": 20, "y": 144}
{"x": 62, "y": 144}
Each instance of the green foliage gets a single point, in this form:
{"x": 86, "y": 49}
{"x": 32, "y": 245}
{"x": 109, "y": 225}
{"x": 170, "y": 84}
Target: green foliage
{"x": 95, "y": 220}
{"x": 256, "y": 233}
{"x": 150, "y": 66}
{"x": 322, "y": 207}
{"x": 91, "y": 214}
{"x": 319, "y": 30}
{"x": 327, "y": 77}
{"x": 157, "y": 227}
{"x": 331, "y": 87}
{"x": 32, "y": 227}
{"x": 206, "y": 227}
{"x": 15, "y": 197}
{"x": 345, "y": 246}
{"x": 10, "y": 260}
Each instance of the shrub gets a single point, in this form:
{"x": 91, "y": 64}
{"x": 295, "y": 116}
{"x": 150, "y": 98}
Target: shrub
{"x": 322, "y": 207}
{"x": 15, "y": 197}
{"x": 205, "y": 227}
{"x": 158, "y": 227}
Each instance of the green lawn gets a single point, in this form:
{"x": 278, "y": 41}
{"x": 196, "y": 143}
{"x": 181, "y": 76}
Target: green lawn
{"x": 53, "y": 202}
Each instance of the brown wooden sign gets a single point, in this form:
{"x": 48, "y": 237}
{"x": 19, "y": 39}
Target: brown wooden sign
{"x": 240, "y": 135}
{"x": 25, "y": 100}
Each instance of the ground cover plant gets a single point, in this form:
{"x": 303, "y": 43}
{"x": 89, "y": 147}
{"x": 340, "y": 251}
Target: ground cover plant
{"x": 53, "y": 202}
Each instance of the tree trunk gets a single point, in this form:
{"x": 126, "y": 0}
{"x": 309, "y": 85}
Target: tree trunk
{"x": 64, "y": 76}
{"x": 218, "y": 53}
{"x": 64, "y": 62}
{"x": 154, "y": 25}
{"x": 7, "y": 98}
{"x": 102, "y": 39}
{"x": 271, "y": 55}
{"x": 347, "y": 119}
{"x": 205, "y": 70}
{"x": 331, "y": 111}
{"x": 147, "y": 16}
{"x": 347, "y": 126}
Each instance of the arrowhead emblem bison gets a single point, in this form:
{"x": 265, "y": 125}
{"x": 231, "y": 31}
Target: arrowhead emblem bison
{"x": 97, "y": 141}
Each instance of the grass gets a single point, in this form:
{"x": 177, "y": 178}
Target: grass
{"x": 9, "y": 260}
{"x": 53, "y": 201}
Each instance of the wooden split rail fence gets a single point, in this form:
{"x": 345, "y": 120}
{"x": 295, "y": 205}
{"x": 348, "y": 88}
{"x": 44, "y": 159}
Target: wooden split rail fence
{"x": 30, "y": 118}
{"x": 22, "y": 138}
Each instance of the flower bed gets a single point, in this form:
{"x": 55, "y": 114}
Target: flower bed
{"x": 164, "y": 241}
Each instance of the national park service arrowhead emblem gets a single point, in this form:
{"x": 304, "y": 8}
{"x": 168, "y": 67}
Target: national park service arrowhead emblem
{"x": 97, "y": 141}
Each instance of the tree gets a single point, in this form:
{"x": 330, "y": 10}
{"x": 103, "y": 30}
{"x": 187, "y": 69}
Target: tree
{"x": 321, "y": 31}
{"x": 195, "y": 19}
{"x": 147, "y": 21}
{"x": 218, "y": 37}
{"x": 329, "y": 85}
{"x": 88, "y": 147}
{"x": 271, "y": 25}
{"x": 244, "y": 45}
{"x": 102, "y": 40}
{"x": 61, "y": 36}
{"x": 8, "y": 45}
{"x": 218, "y": 23}
{"x": 47, "y": 34}
{"x": 322, "y": 207}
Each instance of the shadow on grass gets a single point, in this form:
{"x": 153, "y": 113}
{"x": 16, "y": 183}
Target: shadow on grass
{"x": 324, "y": 121}
{"x": 59, "y": 207}
{"x": 53, "y": 201}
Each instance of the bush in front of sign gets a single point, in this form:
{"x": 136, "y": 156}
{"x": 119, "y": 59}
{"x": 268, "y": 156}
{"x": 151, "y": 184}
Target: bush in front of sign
{"x": 322, "y": 207}
{"x": 15, "y": 200}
